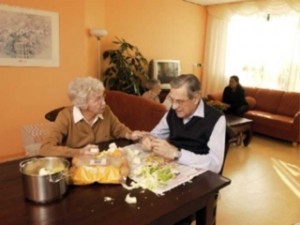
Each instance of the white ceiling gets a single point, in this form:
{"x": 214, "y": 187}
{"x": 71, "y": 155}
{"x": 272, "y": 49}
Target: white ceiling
{"x": 213, "y": 2}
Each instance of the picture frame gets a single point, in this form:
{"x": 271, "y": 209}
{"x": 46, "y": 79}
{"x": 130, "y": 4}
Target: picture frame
{"x": 28, "y": 37}
{"x": 165, "y": 70}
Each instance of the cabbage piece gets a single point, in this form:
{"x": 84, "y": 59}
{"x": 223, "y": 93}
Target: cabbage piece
{"x": 130, "y": 200}
{"x": 153, "y": 175}
{"x": 108, "y": 199}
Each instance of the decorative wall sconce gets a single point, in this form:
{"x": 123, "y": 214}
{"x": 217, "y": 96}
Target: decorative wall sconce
{"x": 98, "y": 33}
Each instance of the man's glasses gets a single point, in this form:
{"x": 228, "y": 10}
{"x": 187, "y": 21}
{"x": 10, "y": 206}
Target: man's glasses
{"x": 178, "y": 101}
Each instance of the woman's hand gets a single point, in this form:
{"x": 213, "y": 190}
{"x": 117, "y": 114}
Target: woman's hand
{"x": 89, "y": 150}
{"x": 136, "y": 135}
{"x": 146, "y": 142}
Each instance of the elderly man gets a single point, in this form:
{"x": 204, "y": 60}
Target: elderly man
{"x": 191, "y": 132}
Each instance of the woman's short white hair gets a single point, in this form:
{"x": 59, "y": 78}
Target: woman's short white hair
{"x": 80, "y": 88}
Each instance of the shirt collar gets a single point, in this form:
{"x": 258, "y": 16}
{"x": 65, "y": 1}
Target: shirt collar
{"x": 77, "y": 115}
{"x": 200, "y": 109}
{"x": 199, "y": 112}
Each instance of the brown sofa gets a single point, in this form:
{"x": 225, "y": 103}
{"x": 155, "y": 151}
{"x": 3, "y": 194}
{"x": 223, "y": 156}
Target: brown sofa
{"x": 134, "y": 111}
{"x": 274, "y": 113}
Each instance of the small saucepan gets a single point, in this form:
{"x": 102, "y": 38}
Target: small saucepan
{"x": 45, "y": 179}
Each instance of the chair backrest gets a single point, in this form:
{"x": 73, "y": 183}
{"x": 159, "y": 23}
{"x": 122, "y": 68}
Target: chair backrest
{"x": 51, "y": 116}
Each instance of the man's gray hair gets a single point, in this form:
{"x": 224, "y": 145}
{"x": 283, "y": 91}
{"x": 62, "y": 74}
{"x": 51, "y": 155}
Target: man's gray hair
{"x": 192, "y": 82}
{"x": 80, "y": 88}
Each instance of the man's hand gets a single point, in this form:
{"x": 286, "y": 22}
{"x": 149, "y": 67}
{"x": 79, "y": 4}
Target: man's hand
{"x": 226, "y": 106}
{"x": 165, "y": 149}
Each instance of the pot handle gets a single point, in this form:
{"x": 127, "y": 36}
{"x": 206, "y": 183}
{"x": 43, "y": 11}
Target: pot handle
{"x": 58, "y": 178}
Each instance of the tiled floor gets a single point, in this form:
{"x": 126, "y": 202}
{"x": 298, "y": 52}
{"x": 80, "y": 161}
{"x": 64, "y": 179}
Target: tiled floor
{"x": 265, "y": 188}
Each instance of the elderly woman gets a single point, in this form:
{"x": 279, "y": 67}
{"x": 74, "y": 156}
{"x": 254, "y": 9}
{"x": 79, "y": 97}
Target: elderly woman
{"x": 89, "y": 121}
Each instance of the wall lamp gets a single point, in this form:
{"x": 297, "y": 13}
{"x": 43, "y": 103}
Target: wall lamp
{"x": 98, "y": 33}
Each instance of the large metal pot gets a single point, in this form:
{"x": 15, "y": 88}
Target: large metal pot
{"x": 44, "y": 179}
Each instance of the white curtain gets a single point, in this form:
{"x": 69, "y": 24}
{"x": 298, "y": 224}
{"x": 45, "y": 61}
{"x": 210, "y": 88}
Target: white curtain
{"x": 215, "y": 69}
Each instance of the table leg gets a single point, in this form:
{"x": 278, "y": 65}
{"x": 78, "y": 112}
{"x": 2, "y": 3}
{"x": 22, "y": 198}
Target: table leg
{"x": 207, "y": 215}
{"x": 248, "y": 137}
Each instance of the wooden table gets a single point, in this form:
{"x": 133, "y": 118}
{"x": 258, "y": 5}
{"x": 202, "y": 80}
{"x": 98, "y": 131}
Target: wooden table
{"x": 85, "y": 205}
{"x": 240, "y": 126}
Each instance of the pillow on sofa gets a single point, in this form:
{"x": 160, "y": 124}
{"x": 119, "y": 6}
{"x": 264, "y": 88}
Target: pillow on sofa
{"x": 251, "y": 102}
{"x": 215, "y": 96}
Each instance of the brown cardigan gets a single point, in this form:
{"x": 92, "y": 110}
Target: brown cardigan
{"x": 65, "y": 137}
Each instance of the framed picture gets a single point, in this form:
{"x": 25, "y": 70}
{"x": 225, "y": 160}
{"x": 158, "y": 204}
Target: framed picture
{"x": 165, "y": 70}
{"x": 28, "y": 37}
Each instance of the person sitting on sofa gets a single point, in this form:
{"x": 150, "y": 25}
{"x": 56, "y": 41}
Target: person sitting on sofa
{"x": 78, "y": 128}
{"x": 153, "y": 90}
{"x": 234, "y": 97}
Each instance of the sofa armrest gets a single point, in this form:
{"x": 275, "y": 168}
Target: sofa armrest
{"x": 296, "y": 125}
{"x": 297, "y": 119}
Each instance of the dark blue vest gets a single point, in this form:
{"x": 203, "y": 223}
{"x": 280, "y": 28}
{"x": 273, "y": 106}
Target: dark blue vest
{"x": 195, "y": 134}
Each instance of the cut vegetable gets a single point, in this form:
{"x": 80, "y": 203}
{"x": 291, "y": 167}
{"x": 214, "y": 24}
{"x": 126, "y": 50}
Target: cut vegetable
{"x": 108, "y": 199}
{"x": 153, "y": 175}
{"x": 130, "y": 200}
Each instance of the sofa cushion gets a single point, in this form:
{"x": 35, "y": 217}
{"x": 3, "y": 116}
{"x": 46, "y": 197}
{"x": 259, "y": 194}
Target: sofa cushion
{"x": 251, "y": 102}
{"x": 270, "y": 119}
{"x": 289, "y": 104}
{"x": 268, "y": 100}
{"x": 250, "y": 91}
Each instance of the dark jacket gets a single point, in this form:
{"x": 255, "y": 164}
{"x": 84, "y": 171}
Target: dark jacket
{"x": 236, "y": 98}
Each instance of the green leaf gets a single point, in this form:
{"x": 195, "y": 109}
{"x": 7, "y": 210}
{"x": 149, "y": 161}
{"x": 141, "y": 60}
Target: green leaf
{"x": 126, "y": 65}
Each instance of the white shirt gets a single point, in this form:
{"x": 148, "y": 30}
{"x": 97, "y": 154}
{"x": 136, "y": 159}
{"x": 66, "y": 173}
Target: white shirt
{"x": 77, "y": 115}
{"x": 214, "y": 159}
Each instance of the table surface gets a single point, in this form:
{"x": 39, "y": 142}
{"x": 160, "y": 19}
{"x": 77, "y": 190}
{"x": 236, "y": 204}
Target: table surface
{"x": 85, "y": 204}
{"x": 232, "y": 120}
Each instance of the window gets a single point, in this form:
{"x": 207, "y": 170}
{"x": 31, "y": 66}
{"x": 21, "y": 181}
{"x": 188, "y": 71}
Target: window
{"x": 264, "y": 50}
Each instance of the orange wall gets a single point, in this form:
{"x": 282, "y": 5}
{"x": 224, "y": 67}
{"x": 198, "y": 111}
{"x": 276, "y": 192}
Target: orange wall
{"x": 28, "y": 92}
{"x": 162, "y": 29}
{"x": 165, "y": 29}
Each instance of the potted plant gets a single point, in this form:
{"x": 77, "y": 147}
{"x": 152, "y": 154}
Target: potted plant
{"x": 127, "y": 68}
